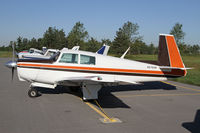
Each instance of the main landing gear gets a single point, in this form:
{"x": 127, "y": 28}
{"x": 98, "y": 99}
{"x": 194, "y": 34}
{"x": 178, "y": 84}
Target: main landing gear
{"x": 90, "y": 91}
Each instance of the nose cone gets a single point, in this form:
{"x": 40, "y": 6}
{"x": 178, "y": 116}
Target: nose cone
{"x": 11, "y": 64}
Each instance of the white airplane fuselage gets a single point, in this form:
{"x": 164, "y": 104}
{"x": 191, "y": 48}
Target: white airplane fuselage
{"x": 110, "y": 69}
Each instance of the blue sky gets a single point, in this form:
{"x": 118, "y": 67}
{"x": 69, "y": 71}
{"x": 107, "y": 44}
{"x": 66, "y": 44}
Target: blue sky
{"x": 101, "y": 18}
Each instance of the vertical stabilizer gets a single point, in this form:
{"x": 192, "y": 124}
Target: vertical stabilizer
{"x": 103, "y": 50}
{"x": 168, "y": 52}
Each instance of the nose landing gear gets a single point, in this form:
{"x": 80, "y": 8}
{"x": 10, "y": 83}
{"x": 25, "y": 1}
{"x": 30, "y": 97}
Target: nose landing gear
{"x": 33, "y": 93}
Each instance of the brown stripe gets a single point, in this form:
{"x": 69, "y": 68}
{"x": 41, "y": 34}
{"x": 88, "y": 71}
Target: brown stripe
{"x": 163, "y": 56}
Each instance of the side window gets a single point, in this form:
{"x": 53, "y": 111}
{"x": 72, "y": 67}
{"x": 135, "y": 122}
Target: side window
{"x": 69, "y": 58}
{"x": 85, "y": 59}
{"x": 31, "y": 51}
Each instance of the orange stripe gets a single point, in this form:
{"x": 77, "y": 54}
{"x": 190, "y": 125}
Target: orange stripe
{"x": 173, "y": 72}
{"x": 175, "y": 57}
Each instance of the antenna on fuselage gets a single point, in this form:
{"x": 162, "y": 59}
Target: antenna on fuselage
{"x": 122, "y": 57}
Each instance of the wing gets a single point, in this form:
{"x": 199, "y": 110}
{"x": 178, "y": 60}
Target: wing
{"x": 167, "y": 67}
{"x": 79, "y": 80}
{"x": 92, "y": 80}
{"x": 126, "y": 82}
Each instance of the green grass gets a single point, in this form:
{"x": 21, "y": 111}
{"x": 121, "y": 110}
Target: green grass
{"x": 4, "y": 54}
{"x": 193, "y": 75}
{"x": 192, "y": 61}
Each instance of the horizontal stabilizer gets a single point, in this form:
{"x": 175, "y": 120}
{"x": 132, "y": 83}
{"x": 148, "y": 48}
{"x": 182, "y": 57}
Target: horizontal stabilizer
{"x": 166, "y": 67}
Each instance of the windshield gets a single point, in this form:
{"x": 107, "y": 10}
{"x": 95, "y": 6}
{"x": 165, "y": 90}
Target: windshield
{"x": 69, "y": 58}
{"x": 55, "y": 56}
{"x": 31, "y": 51}
{"x": 50, "y": 53}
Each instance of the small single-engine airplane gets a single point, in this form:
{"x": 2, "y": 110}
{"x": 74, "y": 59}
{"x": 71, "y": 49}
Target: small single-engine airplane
{"x": 47, "y": 54}
{"x": 50, "y": 52}
{"x": 31, "y": 51}
{"x": 90, "y": 71}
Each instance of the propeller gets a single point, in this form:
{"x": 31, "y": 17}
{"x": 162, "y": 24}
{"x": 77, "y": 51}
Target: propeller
{"x": 13, "y": 71}
{"x": 12, "y": 64}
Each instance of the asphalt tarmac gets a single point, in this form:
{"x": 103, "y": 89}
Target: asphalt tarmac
{"x": 153, "y": 107}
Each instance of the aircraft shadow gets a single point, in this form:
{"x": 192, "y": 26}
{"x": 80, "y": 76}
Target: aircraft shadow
{"x": 105, "y": 102}
{"x": 144, "y": 86}
{"x": 193, "y": 127}
{"x": 106, "y": 98}
{"x": 110, "y": 101}
{"x": 57, "y": 90}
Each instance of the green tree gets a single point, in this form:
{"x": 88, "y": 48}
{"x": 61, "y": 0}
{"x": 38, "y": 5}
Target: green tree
{"x": 25, "y": 44}
{"x": 178, "y": 33}
{"x": 120, "y": 43}
{"x": 151, "y": 49}
{"x": 92, "y": 45}
{"x": 40, "y": 43}
{"x": 54, "y": 38}
{"x": 33, "y": 43}
{"x": 19, "y": 44}
{"x": 139, "y": 47}
{"x": 125, "y": 37}
{"x": 130, "y": 30}
{"x": 106, "y": 41}
{"x": 195, "y": 49}
{"x": 77, "y": 36}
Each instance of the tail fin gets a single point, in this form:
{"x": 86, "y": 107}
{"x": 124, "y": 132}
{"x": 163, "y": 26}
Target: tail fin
{"x": 169, "y": 57}
{"x": 168, "y": 52}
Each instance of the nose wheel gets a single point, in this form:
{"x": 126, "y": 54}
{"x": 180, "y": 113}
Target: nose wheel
{"x": 33, "y": 93}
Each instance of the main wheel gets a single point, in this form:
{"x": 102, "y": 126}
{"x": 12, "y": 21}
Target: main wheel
{"x": 33, "y": 93}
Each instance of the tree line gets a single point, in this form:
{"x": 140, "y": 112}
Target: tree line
{"x": 126, "y": 36}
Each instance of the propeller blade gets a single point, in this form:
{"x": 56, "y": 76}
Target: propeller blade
{"x": 13, "y": 71}
{"x": 13, "y": 54}
{"x": 12, "y": 64}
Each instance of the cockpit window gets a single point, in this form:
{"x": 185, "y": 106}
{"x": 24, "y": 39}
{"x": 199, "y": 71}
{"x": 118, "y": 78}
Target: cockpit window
{"x": 85, "y": 59}
{"x": 69, "y": 58}
{"x": 31, "y": 51}
{"x": 37, "y": 52}
{"x": 50, "y": 53}
{"x": 55, "y": 56}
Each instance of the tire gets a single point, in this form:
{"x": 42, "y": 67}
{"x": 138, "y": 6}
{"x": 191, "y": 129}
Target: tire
{"x": 33, "y": 93}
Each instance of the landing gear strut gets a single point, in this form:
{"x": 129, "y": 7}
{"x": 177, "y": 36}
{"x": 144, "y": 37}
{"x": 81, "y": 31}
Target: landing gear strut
{"x": 33, "y": 93}
{"x": 90, "y": 91}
